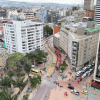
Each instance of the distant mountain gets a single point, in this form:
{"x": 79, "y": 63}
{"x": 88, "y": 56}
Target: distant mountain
{"x": 7, "y": 3}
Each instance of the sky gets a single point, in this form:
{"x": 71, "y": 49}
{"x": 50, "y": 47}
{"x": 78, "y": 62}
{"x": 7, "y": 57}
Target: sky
{"x": 54, "y": 1}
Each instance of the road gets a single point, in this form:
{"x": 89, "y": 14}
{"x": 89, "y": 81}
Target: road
{"x": 44, "y": 89}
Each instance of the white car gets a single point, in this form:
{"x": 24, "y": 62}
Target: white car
{"x": 85, "y": 68}
{"x": 32, "y": 66}
{"x": 84, "y": 75}
{"x": 89, "y": 66}
{"x": 75, "y": 92}
{"x": 79, "y": 73}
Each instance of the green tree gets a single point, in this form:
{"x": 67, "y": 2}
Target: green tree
{"x": 20, "y": 83}
{"x": 27, "y": 66}
{"x": 47, "y": 30}
{"x": 5, "y": 82}
{"x": 64, "y": 64}
{"x": 13, "y": 60}
{"x": 7, "y": 96}
{"x": 11, "y": 73}
{"x": 62, "y": 68}
{"x": 35, "y": 80}
{"x": 25, "y": 97}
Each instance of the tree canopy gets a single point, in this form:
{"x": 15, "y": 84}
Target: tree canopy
{"x": 7, "y": 96}
{"x": 63, "y": 66}
{"x": 48, "y": 30}
{"x": 35, "y": 80}
{"x": 14, "y": 58}
{"x": 36, "y": 55}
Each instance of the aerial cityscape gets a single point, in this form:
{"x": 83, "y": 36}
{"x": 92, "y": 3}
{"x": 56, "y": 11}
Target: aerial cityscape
{"x": 50, "y": 50}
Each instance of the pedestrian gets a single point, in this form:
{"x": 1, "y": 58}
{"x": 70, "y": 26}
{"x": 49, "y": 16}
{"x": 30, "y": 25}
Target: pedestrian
{"x": 40, "y": 71}
{"x": 78, "y": 82}
{"x": 46, "y": 96}
{"x": 94, "y": 88}
{"x": 58, "y": 84}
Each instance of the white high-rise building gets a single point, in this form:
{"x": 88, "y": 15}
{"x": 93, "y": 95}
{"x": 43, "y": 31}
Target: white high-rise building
{"x": 88, "y": 4}
{"x": 97, "y": 12}
{"x": 23, "y": 36}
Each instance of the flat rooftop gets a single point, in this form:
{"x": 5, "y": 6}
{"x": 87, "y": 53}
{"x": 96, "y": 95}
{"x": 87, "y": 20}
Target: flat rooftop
{"x": 57, "y": 35}
{"x": 2, "y": 50}
{"x": 74, "y": 26}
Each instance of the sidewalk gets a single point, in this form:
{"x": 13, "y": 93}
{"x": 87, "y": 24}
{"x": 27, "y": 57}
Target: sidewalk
{"x": 51, "y": 67}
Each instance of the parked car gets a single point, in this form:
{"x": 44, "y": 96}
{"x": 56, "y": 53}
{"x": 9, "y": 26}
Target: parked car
{"x": 85, "y": 69}
{"x": 70, "y": 87}
{"x": 79, "y": 73}
{"x": 84, "y": 92}
{"x": 84, "y": 75}
{"x": 89, "y": 66}
{"x": 75, "y": 92}
{"x": 93, "y": 63}
{"x": 80, "y": 79}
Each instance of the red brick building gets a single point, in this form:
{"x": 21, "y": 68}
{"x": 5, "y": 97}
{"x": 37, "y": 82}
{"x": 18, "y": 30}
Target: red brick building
{"x": 90, "y": 13}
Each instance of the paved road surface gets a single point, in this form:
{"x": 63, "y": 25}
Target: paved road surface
{"x": 44, "y": 90}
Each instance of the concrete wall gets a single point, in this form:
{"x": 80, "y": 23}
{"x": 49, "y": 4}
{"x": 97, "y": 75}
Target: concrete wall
{"x": 80, "y": 31}
{"x": 91, "y": 24}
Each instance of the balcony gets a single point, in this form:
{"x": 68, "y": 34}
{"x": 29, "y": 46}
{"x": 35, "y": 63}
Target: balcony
{"x": 74, "y": 44}
{"x": 30, "y": 29}
{"x": 74, "y": 48}
{"x": 73, "y": 65}
{"x": 74, "y": 53}
{"x": 23, "y": 44}
{"x": 73, "y": 58}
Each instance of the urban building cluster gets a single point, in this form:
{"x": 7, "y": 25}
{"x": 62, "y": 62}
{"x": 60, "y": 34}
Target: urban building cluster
{"x": 75, "y": 32}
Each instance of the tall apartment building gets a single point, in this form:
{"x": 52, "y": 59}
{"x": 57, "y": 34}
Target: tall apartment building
{"x": 43, "y": 14}
{"x": 3, "y": 57}
{"x": 29, "y": 15}
{"x": 23, "y": 36}
{"x": 88, "y": 4}
{"x": 79, "y": 42}
{"x": 90, "y": 13}
{"x": 3, "y": 13}
{"x": 56, "y": 40}
{"x": 97, "y": 12}
{"x": 97, "y": 63}
{"x": 53, "y": 16}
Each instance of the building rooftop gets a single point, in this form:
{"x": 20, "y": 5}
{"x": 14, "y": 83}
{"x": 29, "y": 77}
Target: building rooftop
{"x": 72, "y": 29}
{"x": 57, "y": 35}
{"x": 93, "y": 30}
{"x": 2, "y": 50}
{"x": 77, "y": 25}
